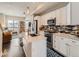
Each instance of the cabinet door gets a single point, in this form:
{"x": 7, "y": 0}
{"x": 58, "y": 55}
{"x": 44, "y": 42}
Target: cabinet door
{"x": 39, "y": 48}
{"x": 59, "y": 45}
{"x": 27, "y": 48}
{"x": 74, "y": 51}
{"x": 58, "y": 20}
{"x": 56, "y": 43}
{"x": 68, "y": 14}
{"x": 75, "y": 13}
{"x": 63, "y": 16}
{"x": 62, "y": 46}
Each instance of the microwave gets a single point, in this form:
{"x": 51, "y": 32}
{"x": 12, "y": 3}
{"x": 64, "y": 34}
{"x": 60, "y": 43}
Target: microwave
{"x": 51, "y": 22}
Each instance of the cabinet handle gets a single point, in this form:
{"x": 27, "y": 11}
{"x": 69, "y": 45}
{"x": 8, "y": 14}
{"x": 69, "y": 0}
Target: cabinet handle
{"x": 73, "y": 41}
{"x": 67, "y": 44}
{"x": 61, "y": 38}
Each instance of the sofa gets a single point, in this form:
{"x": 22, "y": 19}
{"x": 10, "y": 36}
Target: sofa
{"x": 7, "y": 36}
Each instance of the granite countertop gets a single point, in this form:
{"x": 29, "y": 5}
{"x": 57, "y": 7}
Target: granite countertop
{"x": 35, "y": 38}
{"x": 67, "y": 36}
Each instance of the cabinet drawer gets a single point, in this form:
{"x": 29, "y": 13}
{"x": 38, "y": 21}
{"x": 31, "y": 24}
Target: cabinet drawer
{"x": 75, "y": 42}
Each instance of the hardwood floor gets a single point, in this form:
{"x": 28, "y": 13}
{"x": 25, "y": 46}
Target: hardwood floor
{"x": 13, "y": 49}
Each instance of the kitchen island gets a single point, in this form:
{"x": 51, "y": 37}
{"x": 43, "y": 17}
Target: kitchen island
{"x": 35, "y": 46}
{"x": 66, "y": 44}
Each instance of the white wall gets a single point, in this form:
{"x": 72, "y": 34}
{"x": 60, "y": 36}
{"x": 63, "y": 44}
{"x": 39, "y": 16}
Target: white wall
{"x": 2, "y": 19}
{"x": 0, "y": 42}
{"x": 38, "y": 18}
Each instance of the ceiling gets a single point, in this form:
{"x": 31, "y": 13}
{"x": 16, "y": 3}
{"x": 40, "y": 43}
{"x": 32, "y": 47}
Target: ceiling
{"x": 18, "y": 8}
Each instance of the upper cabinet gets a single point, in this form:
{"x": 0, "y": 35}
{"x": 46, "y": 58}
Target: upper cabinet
{"x": 67, "y": 15}
{"x": 61, "y": 16}
{"x": 73, "y": 13}
{"x": 58, "y": 22}
{"x": 48, "y": 16}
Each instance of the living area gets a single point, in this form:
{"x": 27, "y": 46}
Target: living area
{"x": 11, "y": 29}
{"x": 16, "y": 22}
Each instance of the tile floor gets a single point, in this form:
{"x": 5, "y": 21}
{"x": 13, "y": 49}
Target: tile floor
{"x": 52, "y": 53}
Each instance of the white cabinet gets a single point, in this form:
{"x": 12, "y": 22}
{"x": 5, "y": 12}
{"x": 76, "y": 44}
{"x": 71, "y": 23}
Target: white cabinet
{"x": 58, "y": 20}
{"x": 61, "y": 16}
{"x": 72, "y": 13}
{"x": 56, "y": 42}
{"x": 68, "y": 15}
{"x": 38, "y": 49}
{"x": 74, "y": 48}
{"x": 35, "y": 47}
{"x": 75, "y": 13}
{"x": 66, "y": 46}
{"x": 47, "y": 16}
{"x": 74, "y": 51}
{"x": 62, "y": 46}
{"x": 59, "y": 44}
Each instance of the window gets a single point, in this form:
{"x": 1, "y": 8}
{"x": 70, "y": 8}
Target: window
{"x": 15, "y": 23}
{"x": 12, "y": 24}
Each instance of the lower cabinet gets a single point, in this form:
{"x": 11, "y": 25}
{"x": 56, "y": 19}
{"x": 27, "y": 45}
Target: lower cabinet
{"x": 74, "y": 48}
{"x": 62, "y": 45}
{"x": 65, "y": 46}
{"x": 74, "y": 51}
{"x": 56, "y": 43}
{"x": 37, "y": 48}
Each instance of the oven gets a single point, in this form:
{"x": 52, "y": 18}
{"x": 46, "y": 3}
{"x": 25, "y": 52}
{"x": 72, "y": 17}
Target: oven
{"x": 49, "y": 35}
